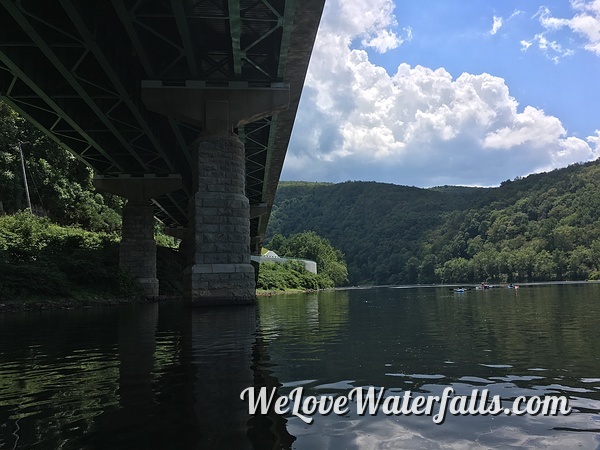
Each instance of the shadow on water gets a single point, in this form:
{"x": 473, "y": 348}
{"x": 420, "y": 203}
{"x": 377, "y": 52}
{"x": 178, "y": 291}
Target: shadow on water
{"x": 144, "y": 376}
{"x": 164, "y": 376}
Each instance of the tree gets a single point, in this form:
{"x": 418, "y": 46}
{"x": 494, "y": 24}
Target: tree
{"x": 308, "y": 245}
{"x": 579, "y": 264}
{"x": 411, "y": 271}
{"x": 523, "y": 263}
{"x": 427, "y": 269}
{"x": 544, "y": 266}
{"x": 457, "y": 270}
{"x": 59, "y": 184}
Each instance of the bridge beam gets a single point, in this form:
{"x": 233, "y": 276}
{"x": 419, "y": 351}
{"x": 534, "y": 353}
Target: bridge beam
{"x": 219, "y": 270}
{"x": 137, "y": 251}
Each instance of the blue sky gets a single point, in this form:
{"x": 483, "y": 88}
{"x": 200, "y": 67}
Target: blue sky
{"x": 449, "y": 91}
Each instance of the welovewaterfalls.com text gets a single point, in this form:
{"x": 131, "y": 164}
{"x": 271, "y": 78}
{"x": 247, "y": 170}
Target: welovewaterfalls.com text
{"x": 372, "y": 401}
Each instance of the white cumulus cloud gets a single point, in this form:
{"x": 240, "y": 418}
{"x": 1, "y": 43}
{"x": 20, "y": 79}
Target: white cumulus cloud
{"x": 595, "y": 140}
{"x": 585, "y": 22}
{"x": 498, "y": 21}
{"x": 418, "y": 126}
{"x": 525, "y": 45}
{"x": 497, "y": 24}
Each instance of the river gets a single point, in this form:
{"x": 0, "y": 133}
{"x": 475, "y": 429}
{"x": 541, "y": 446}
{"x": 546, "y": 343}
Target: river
{"x": 162, "y": 376}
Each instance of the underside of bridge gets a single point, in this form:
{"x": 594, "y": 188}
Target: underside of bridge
{"x": 182, "y": 106}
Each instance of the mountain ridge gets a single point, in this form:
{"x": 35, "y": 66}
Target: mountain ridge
{"x": 539, "y": 227}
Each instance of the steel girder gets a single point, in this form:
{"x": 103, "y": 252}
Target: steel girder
{"x": 74, "y": 69}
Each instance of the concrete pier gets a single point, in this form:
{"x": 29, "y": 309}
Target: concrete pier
{"x": 218, "y": 243}
{"x": 220, "y": 270}
{"x": 137, "y": 251}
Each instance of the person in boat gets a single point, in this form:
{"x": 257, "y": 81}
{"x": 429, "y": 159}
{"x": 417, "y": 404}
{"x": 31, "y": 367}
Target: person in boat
{"x": 484, "y": 285}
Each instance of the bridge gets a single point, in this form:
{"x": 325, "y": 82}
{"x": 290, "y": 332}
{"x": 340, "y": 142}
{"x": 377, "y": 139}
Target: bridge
{"x": 184, "y": 107}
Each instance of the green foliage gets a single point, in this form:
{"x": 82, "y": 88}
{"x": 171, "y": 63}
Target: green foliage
{"x": 289, "y": 275}
{"x": 162, "y": 239}
{"x": 59, "y": 184}
{"x": 127, "y": 286}
{"x": 308, "y": 245}
{"x": 38, "y": 257}
{"x": 539, "y": 228}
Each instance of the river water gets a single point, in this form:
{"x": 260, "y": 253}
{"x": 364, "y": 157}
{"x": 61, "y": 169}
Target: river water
{"x": 162, "y": 376}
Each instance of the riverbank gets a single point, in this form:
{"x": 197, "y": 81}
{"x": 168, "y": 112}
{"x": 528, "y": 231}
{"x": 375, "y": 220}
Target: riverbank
{"x": 44, "y": 265}
{"x": 39, "y": 304}
{"x": 94, "y": 301}
{"x": 270, "y": 293}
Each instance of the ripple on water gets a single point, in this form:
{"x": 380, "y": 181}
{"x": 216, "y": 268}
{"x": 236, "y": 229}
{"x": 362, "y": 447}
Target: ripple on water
{"x": 418, "y": 376}
{"x": 476, "y": 380}
{"x": 340, "y": 385}
{"x": 517, "y": 378}
{"x": 590, "y": 380}
{"x": 289, "y": 384}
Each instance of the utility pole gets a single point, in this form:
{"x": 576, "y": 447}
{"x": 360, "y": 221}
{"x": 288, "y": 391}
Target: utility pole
{"x": 25, "y": 178}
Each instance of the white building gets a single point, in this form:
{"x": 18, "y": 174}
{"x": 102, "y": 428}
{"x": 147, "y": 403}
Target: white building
{"x": 271, "y": 256}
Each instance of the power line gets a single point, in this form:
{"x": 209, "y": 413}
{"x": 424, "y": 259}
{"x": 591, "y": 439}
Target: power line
{"x": 25, "y": 177}
{"x": 35, "y": 186}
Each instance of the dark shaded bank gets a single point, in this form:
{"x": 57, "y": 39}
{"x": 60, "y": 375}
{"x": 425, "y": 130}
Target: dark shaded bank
{"x": 115, "y": 290}
{"x": 15, "y": 306}
{"x": 44, "y": 265}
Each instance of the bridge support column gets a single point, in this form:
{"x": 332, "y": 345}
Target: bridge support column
{"x": 220, "y": 271}
{"x": 137, "y": 251}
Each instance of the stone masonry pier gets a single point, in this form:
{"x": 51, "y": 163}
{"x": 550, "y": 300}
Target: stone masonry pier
{"x": 137, "y": 251}
{"x": 220, "y": 270}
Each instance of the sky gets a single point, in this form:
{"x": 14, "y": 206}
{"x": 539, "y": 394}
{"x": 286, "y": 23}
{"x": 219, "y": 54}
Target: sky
{"x": 448, "y": 92}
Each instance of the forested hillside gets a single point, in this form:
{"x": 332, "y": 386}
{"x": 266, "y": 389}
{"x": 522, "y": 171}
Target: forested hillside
{"x": 69, "y": 247}
{"x": 60, "y": 186}
{"x": 543, "y": 227}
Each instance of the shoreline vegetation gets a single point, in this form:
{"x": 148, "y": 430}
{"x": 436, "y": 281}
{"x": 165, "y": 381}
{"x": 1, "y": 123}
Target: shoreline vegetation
{"x": 270, "y": 293}
{"x": 44, "y": 265}
{"x": 89, "y": 300}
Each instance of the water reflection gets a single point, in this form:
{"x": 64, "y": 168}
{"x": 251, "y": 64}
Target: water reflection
{"x": 165, "y": 376}
{"x": 542, "y": 341}
{"x": 52, "y": 379}
{"x": 138, "y": 377}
